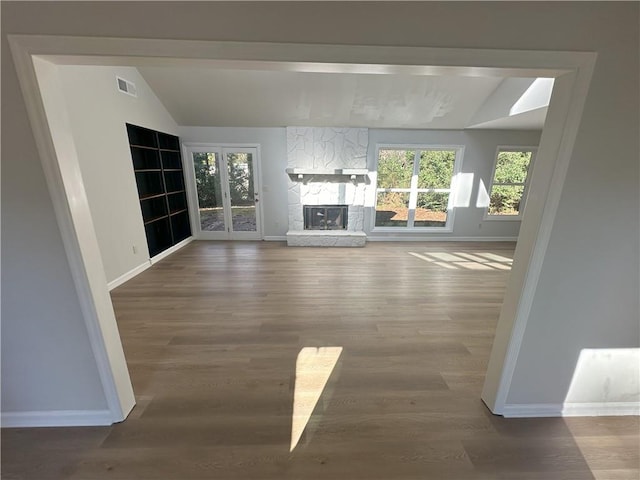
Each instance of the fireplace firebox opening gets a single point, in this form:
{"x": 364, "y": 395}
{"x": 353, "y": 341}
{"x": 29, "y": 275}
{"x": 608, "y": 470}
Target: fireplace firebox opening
{"x": 325, "y": 217}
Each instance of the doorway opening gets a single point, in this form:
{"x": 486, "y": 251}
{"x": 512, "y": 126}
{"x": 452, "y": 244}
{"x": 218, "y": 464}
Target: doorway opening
{"x": 571, "y": 70}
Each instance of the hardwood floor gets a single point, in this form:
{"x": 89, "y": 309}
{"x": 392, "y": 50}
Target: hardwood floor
{"x": 212, "y": 336}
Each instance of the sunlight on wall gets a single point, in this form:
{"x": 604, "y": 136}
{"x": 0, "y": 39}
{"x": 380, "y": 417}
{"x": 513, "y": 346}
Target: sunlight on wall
{"x": 606, "y": 375}
{"x": 313, "y": 369}
{"x": 538, "y": 95}
{"x": 370, "y": 194}
{"x": 463, "y": 184}
{"x": 483, "y": 196}
{"x": 603, "y": 378}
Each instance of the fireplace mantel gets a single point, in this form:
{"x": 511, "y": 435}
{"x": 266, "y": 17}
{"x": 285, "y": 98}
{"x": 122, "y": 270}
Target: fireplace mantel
{"x": 355, "y": 175}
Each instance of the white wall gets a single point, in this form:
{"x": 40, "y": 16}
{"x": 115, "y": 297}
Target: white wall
{"x": 477, "y": 166}
{"x": 47, "y": 360}
{"x": 587, "y": 296}
{"x": 273, "y": 162}
{"x": 480, "y": 150}
{"x": 98, "y": 113}
{"x": 588, "y": 291}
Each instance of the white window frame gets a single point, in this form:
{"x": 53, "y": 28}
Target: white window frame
{"x": 523, "y": 201}
{"x": 413, "y": 190}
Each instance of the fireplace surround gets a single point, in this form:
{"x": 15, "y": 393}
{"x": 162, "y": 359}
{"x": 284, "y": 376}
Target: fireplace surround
{"x": 328, "y": 184}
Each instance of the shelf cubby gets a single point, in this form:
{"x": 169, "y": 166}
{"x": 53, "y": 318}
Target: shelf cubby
{"x": 171, "y": 160}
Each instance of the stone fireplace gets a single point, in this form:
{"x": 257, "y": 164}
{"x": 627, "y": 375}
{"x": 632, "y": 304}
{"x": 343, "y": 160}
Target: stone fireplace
{"x": 327, "y": 169}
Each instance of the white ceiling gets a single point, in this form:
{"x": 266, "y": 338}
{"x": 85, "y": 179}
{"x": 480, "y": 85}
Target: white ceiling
{"x": 197, "y": 96}
{"x": 529, "y": 120}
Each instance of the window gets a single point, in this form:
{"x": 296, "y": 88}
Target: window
{"x": 509, "y": 182}
{"x": 414, "y": 187}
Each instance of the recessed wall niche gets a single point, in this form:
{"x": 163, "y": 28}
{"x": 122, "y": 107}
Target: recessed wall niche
{"x": 158, "y": 168}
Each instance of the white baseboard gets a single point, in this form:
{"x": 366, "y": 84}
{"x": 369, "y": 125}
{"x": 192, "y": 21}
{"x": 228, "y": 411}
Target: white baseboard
{"x": 141, "y": 268}
{"x": 171, "y": 250}
{"x": 601, "y": 409}
{"x": 275, "y": 238}
{"x": 129, "y": 275}
{"x": 57, "y": 418}
{"x": 372, "y": 237}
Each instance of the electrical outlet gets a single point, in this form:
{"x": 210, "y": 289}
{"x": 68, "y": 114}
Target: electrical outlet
{"x": 135, "y": 249}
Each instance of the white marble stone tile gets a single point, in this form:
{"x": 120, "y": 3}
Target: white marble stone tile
{"x": 325, "y": 149}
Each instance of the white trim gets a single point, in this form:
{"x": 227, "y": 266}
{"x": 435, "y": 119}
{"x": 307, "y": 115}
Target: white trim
{"x": 321, "y": 58}
{"x": 61, "y": 168}
{"x": 547, "y": 180}
{"x": 257, "y": 185}
{"x": 171, "y": 250}
{"x": 517, "y": 148}
{"x": 275, "y": 238}
{"x": 152, "y": 261}
{"x": 502, "y": 218}
{"x": 427, "y": 238}
{"x": 57, "y": 418}
{"x": 129, "y": 275}
{"x": 573, "y": 72}
{"x": 571, "y": 409}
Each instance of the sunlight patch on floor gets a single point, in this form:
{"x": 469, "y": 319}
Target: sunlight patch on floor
{"x": 467, "y": 261}
{"x": 474, "y": 266}
{"x": 495, "y": 258}
{"x": 443, "y": 257}
{"x": 313, "y": 369}
{"x": 499, "y": 266}
{"x": 473, "y": 258}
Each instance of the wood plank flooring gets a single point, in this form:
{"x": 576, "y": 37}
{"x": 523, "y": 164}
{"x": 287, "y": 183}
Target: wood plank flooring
{"x": 212, "y": 335}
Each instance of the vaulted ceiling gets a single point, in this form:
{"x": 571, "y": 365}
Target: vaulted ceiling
{"x": 227, "y": 97}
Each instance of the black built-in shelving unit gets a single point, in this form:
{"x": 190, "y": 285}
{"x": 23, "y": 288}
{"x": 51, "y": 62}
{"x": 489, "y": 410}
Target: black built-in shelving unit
{"x": 157, "y": 164}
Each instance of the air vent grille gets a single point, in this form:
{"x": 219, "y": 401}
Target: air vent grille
{"x": 125, "y": 86}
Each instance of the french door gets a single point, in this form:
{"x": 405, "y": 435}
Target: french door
{"x": 224, "y": 192}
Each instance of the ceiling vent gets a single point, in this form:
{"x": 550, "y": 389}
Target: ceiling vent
{"x": 125, "y": 86}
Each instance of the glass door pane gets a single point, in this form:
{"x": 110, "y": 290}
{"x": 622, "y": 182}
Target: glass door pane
{"x": 209, "y": 191}
{"x": 242, "y": 196}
